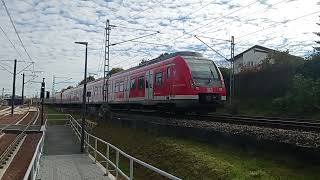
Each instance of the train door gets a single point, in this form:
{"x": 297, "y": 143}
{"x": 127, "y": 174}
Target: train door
{"x": 126, "y": 88}
{"x": 111, "y": 91}
{"x": 169, "y": 81}
{"x": 149, "y": 85}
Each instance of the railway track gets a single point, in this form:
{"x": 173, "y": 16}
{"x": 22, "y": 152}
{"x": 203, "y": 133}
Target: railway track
{"x": 272, "y": 122}
{"x": 12, "y": 147}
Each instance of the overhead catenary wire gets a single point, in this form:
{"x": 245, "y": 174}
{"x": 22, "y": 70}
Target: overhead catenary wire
{"x": 278, "y": 23}
{"x": 150, "y": 7}
{"x": 239, "y": 18}
{"x": 189, "y": 14}
{"x": 156, "y": 44}
{"x": 15, "y": 29}
{"x": 14, "y": 47}
{"x": 211, "y": 48}
{"x": 134, "y": 39}
{"x": 215, "y": 19}
{"x": 227, "y": 40}
{"x": 6, "y": 69}
{"x": 138, "y": 29}
{"x": 8, "y": 60}
{"x": 25, "y": 68}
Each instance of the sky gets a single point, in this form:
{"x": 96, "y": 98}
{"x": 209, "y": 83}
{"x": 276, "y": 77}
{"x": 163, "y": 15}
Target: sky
{"x": 49, "y": 28}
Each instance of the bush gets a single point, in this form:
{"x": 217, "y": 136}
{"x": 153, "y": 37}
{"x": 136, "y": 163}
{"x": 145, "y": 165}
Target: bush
{"x": 304, "y": 96}
{"x": 104, "y": 113}
{"x": 271, "y": 79}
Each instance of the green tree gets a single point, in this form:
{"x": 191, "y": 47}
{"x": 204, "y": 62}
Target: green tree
{"x": 271, "y": 79}
{"x": 303, "y": 97}
{"x": 281, "y": 58}
{"x": 115, "y": 70}
{"x": 317, "y": 48}
{"x": 311, "y": 67}
{"x": 89, "y": 79}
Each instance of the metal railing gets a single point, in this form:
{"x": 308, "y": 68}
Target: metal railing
{"x": 92, "y": 143}
{"x": 33, "y": 168}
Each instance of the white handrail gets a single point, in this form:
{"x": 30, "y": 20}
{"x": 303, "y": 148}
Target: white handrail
{"x": 77, "y": 128}
{"x": 34, "y": 164}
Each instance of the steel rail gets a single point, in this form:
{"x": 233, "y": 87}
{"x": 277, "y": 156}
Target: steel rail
{"x": 8, "y": 125}
{"x": 283, "y": 122}
{"x": 273, "y": 122}
{"x": 4, "y": 156}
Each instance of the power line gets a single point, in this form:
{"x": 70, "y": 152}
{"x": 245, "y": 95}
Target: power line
{"x": 8, "y": 60}
{"x": 138, "y": 29}
{"x": 134, "y": 39}
{"x": 216, "y": 19}
{"x": 6, "y": 69}
{"x": 237, "y": 19}
{"x": 275, "y": 24}
{"x": 211, "y": 48}
{"x": 14, "y": 27}
{"x": 157, "y": 44}
{"x": 213, "y": 38}
{"x": 5, "y": 34}
{"x": 150, "y": 7}
{"x": 25, "y": 68}
{"x": 171, "y": 21}
{"x": 190, "y": 13}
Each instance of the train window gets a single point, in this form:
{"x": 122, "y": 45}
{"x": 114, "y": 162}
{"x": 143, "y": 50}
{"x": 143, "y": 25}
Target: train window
{"x": 158, "y": 78}
{"x": 141, "y": 82}
{"x": 116, "y": 89}
{"x": 109, "y": 88}
{"x": 133, "y": 84}
{"x": 121, "y": 87}
{"x": 168, "y": 72}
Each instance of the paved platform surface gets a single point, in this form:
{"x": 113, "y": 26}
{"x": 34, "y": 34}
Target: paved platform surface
{"x": 62, "y": 159}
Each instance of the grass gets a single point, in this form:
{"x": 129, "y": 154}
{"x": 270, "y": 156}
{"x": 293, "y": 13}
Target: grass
{"x": 57, "y": 119}
{"x": 189, "y": 159}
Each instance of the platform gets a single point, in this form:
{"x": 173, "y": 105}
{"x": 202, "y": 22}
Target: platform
{"x": 62, "y": 159}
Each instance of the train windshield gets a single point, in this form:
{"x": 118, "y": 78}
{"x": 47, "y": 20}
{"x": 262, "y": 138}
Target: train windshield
{"x": 204, "y": 71}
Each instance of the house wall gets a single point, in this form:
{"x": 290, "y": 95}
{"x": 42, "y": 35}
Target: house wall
{"x": 254, "y": 57}
{"x": 238, "y": 63}
{"x": 250, "y": 59}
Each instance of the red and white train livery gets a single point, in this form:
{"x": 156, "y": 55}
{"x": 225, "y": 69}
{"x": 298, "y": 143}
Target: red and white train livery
{"x": 177, "y": 80}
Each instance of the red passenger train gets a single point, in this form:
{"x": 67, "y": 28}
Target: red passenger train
{"x": 177, "y": 80}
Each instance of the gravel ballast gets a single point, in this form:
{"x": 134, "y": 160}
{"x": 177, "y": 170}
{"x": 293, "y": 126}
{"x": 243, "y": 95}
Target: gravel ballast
{"x": 298, "y": 138}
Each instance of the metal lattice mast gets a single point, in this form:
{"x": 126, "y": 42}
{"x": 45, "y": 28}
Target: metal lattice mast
{"x": 53, "y": 83}
{"x": 106, "y": 66}
{"x": 231, "y": 91}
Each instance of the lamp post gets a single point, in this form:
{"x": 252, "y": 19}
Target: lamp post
{"x": 84, "y": 96}
{"x": 42, "y": 96}
{"x": 13, "y": 86}
{"x": 22, "y": 94}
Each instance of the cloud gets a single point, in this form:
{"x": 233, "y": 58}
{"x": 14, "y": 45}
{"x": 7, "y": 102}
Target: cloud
{"x": 49, "y": 29}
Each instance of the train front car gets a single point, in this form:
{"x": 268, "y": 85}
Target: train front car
{"x": 206, "y": 85}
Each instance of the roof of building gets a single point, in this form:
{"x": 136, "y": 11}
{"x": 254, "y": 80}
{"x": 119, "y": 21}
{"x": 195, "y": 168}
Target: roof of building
{"x": 253, "y": 47}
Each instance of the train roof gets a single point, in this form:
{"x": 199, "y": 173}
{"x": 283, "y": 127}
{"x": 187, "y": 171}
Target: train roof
{"x": 162, "y": 57}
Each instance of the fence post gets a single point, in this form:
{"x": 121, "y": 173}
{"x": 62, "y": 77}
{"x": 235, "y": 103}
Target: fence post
{"x": 131, "y": 169}
{"x": 107, "y": 162}
{"x": 95, "y": 149}
{"x": 117, "y": 164}
{"x": 87, "y": 143}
